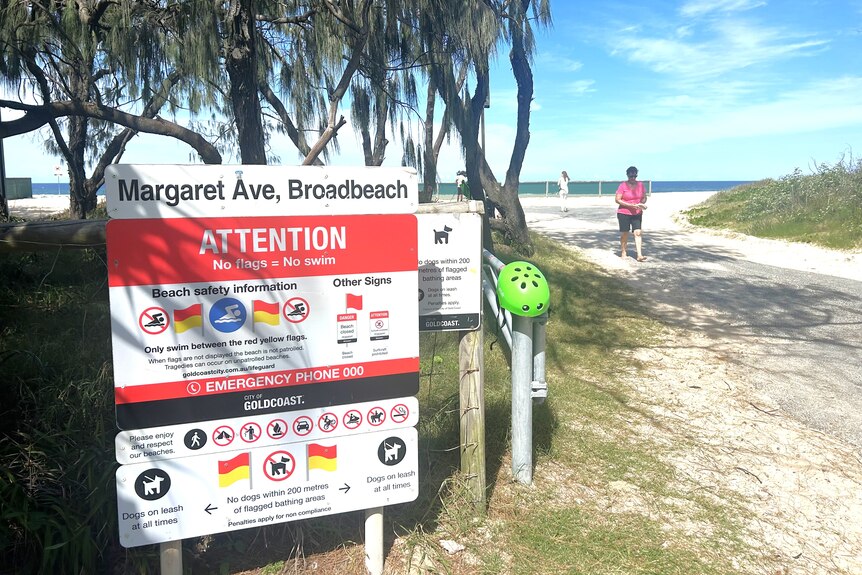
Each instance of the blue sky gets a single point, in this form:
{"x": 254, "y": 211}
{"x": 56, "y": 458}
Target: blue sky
{"x": 698, "y": 90}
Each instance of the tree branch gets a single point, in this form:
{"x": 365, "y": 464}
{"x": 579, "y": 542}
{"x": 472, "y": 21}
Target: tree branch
{"x": 37, "y": 116}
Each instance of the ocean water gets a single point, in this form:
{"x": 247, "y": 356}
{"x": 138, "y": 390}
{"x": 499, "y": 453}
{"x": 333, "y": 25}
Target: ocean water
{"x": 55, "y": 189}
{"x": 526, "y": 188}
{"x": 609, "y": 187}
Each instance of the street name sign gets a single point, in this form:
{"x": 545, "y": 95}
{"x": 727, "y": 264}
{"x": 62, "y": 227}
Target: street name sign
{"x": 194, "y": 191}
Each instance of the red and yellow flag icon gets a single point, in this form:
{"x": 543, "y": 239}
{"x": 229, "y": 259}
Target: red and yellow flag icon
{"x": 186, "y": 319}
{"x": 232, "y": 470}
{"x": 322, "y": 457}
{"x": 265, "y": 312}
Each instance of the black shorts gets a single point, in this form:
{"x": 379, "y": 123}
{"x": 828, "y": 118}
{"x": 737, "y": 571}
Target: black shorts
{"x": 628, "y": 222}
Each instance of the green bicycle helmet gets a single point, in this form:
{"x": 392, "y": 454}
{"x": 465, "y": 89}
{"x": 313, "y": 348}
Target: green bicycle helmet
{"x": 523, "y": 290}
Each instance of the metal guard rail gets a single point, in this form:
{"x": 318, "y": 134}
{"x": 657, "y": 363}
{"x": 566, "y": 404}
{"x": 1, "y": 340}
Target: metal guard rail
{"x": 532, "y": 328}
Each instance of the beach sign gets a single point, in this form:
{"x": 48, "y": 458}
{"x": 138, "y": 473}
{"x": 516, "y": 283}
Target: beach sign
{"x": 266, "y": 342}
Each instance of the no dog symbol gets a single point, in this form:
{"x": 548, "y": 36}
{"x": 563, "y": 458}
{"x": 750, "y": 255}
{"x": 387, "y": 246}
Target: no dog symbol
{"x": 279, "y": 465}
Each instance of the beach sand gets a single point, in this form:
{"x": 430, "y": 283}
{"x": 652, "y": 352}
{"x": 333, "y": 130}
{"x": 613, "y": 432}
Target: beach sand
{"x": 38, "y": 207}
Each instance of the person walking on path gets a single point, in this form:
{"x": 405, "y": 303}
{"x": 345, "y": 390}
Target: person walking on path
{"x": 563, "y": 184}
{"x": 461, "y": 184}
{"x": 631, "y": 199}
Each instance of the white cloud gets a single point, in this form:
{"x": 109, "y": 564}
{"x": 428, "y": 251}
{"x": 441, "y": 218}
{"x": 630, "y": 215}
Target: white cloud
{"x": 677, "y": 141}
{"x": 698, "y": 8}
{"x": 579, "y": 87}
{"x": 553, "y": 60}
{"x": 729, "y": 47}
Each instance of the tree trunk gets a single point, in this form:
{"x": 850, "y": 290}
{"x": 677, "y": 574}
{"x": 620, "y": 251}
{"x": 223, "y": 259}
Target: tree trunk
{"x": 515, "y": 222}
{"x": 430, "y": 163}
{"x": 80, "y": 202}
{"x": 4, "y": 203}
{"x": 241, "y": 66}
{"x": 379, "y": 151}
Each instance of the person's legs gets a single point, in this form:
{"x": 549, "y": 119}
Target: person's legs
{"x": 639, "y": 245}
{"x": 636, "y": 228}
{"x": 625, "y": 225}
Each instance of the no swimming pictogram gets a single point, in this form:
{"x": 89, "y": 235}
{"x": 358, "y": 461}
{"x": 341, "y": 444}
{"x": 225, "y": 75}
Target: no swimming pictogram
{"x": 295, "y": 310}
{"x": 154, "y": 320}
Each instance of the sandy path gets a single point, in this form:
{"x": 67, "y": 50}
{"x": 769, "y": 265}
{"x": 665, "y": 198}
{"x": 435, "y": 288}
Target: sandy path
{"x": 800, "y": 490}
{"x": 595, "y": 214}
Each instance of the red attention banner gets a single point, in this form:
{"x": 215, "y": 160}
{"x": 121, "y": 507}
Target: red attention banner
{"x": 174, "y": 251}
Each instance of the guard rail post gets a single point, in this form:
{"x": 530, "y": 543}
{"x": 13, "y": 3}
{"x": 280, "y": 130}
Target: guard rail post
{"x": 540, "y": 386}
{"x": 526, "y": 338}
{"x": 522, "y": 403}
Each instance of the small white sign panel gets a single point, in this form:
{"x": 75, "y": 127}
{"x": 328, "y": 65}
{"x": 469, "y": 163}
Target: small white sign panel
{"x": 224, "y": 435}
{"x": 193, "y": 496}
{"x": 194, "y": 191}
{"x": 450, "y": 271}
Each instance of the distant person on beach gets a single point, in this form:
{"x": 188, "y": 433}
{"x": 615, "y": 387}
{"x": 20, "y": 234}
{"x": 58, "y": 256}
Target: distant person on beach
{"x": 631, "y": 199}
{"x": 563, "y": 184}
{"x": 461, "y": 184}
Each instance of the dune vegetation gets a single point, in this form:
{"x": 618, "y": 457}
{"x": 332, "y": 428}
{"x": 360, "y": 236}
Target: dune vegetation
{"x": 822, "y": 208}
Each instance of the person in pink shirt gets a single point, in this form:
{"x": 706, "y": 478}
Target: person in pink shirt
{"x": 631, "y": 199}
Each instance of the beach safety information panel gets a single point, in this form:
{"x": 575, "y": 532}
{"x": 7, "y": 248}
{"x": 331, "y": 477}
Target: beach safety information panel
{"x": 296, "y": 312}
{"x": 170, "y": 500}
{"x": 450, "y": 271}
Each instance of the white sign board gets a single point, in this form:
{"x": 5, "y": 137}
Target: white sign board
{"x": 265, "y": 342}
{"x": 193, "y": 496}
{"x": 194, "y": 191}
{"x": 221, "y": 436}
{"x": 450, "y": 271}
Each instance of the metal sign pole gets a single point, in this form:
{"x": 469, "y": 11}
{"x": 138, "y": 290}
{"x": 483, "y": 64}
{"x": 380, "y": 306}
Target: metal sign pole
{"x": 374, "y": 541}
{"x": 171, "y": 557}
